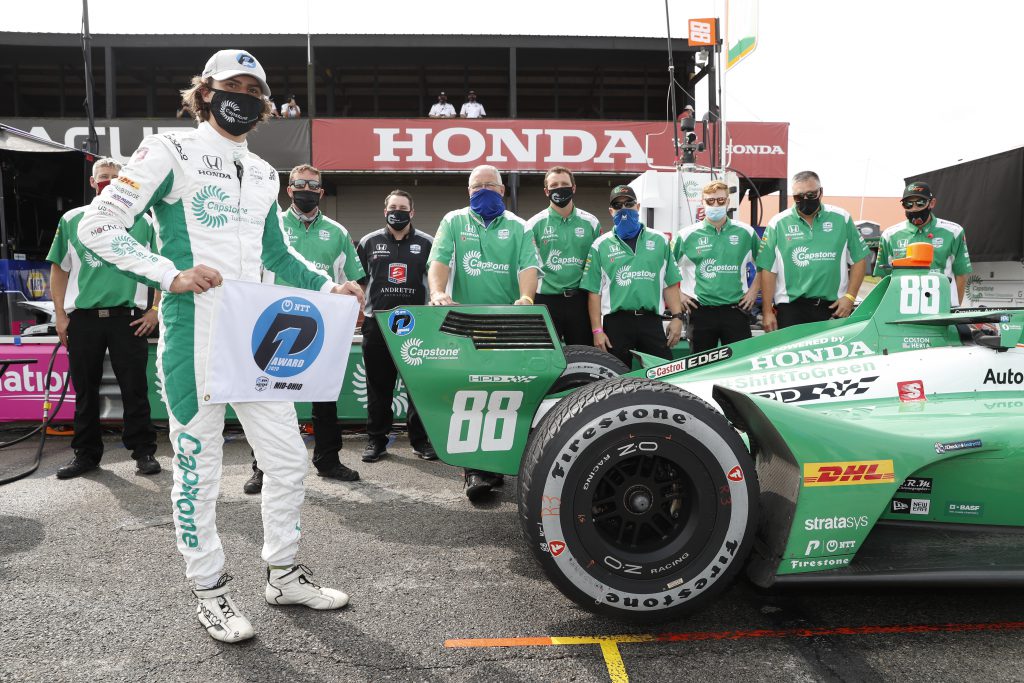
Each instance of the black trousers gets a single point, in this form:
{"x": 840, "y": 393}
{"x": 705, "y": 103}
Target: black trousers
{"x": 717, "y": 325}
{"x": 636, "y": 330}
{"x": 569, "y": 315}
{"x": 801, "y": 311}
{"x": 381, "y": 376}
{"x": 89, "y": 338}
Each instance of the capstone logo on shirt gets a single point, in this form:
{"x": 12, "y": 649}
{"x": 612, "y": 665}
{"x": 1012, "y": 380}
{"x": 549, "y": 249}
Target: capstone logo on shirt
{"x": 555, "y": 261}
{"x": 626, "y": 275}
{"x": 211, "y": 208}
{"x": 474, "y": 264}
{"x": 802, "y": 256}
{"x": 710, "y": 268}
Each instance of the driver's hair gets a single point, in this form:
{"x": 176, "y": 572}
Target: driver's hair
{"x": 192, "y": 99}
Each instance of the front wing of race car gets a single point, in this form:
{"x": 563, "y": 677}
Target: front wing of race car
{"x": 882, "y": 492}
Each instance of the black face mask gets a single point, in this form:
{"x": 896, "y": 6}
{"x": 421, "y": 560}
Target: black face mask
{"x": 809, "y": 207}
{"x": 398, "y": 219}
{"x": 236, "y": 113}
{"x": 919, "y": 218}
{"x": 561, "y": 196}
{"x": 305, "y": 200}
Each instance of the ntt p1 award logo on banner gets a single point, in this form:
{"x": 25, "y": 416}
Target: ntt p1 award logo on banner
{"x": 272, "y": 343}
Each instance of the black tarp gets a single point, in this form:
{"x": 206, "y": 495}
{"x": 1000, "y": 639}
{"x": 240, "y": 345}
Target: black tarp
{"x": 986, "y": 196}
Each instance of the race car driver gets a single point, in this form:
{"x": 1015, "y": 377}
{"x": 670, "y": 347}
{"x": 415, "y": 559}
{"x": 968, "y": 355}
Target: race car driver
{"x": 217, "y": 216}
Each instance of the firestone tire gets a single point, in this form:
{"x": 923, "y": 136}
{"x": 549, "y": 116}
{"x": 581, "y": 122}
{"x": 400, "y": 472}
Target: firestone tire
{"x": 586, "y": 365}
{"x": 638, "y": 499}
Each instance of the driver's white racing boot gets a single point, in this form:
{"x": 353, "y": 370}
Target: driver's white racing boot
{"x": 219, "y": 615}
{"x": 293, "y": 586}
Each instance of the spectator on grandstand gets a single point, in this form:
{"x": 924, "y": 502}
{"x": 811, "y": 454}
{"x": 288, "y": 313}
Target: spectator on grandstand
{"x": 442, "y": 109}
{"x": 183, "y": 112}
{"x": 290, "y": 109}
{"x": 472, "y": 109}
{"x": 273, "y": 108}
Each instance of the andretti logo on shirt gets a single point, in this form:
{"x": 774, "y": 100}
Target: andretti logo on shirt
{"x": 474, "y": 265}
{"x": 710, "y": 268}
{"x": 802, "y": 256}
{"x": 625, "y": 275}
{"x": 287, "y": 337}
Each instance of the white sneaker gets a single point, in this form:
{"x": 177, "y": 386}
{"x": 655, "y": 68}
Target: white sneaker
{"x": 295, "y": 587}
{"x": 219, "y": 615}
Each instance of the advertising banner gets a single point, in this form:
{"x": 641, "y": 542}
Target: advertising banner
{"x": 615, "y": 147}
{"x": 273, "y": 343}
{"x": 284, "y": 143}
{"x": 22, "y": 387}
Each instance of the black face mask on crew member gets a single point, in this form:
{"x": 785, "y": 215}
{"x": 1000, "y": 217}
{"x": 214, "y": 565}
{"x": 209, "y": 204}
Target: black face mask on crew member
{"x": 398, "y": 219}
{"x": 560, "y": 196}
{"x": 236, "y": 113}
{"x": 305, "y": 200}
{"x": 808, "y": 207}
{"x": 920, "y": 217}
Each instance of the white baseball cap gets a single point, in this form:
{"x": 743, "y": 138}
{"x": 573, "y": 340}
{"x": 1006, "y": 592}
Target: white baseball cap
{"x": 227, "y": 63}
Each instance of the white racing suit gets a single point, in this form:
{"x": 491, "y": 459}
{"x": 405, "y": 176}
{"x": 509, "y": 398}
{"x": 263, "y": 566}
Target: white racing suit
{"x": 207, "y": 215}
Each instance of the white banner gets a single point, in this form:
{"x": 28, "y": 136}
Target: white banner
{"x": 273, "y": 343}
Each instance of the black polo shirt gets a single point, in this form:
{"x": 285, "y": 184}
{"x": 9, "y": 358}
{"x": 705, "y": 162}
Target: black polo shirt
{"x": 396, "y": 270}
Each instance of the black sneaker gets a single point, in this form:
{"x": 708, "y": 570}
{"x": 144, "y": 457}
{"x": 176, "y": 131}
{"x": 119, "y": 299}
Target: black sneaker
{"x": 339, "y": 472}
{"x": 374, "y": 452}
{"x": 254, "y": 483}
{"x": 477, "y": 486}
{"x": 147, "y": 464}
{"x": 77, "y": 467}
{"x": 426, "y": 452}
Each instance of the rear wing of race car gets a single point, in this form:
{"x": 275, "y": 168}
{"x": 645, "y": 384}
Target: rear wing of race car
{"x": 476, "y": 375}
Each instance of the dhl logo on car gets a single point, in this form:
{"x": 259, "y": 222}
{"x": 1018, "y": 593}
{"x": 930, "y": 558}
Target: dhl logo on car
{"x": 851, "y": 473}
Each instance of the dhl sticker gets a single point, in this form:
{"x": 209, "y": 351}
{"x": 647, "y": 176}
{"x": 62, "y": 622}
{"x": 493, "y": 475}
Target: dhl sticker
{"x": 853, "y": 473}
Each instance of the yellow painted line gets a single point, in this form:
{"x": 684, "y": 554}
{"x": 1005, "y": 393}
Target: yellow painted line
{"x": 613, "y": 660}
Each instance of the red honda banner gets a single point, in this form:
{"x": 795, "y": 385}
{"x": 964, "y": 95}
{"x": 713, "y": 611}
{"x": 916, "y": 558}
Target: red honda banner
{"x": 757, "y": 149}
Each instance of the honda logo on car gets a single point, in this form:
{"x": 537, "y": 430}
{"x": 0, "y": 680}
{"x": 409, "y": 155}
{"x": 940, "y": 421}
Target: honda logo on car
{"x": 690, "y": 362}
{"x": 852, "y": 473}
{"x": 820, "y": 355}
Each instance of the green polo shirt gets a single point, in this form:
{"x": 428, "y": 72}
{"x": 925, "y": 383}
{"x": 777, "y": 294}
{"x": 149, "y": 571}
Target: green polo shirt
{"x": 713, "y": 264}
{"x": 811, "y": 261}
{"x": 563, "y": 244}
{"x": 946, "y": 237}
{"x": 627, "y": 280}
{"x": 485, "y": 261}
{"x": 92, "y": 282}
{"x": 324, "y": 243}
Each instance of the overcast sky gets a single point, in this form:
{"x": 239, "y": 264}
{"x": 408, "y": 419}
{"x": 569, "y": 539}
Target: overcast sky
{"x": 874, "y": 90}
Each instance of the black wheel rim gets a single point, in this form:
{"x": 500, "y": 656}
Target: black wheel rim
{"x": 648, "y": 514}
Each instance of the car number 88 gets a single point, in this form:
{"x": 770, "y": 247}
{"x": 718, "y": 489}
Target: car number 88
{"x": 483, "y": 420}
{"x": 919, "y": 294}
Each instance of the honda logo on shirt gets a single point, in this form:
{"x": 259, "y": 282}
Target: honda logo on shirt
{"x": 213, "y": 162}
{"x": 397, "y": 273}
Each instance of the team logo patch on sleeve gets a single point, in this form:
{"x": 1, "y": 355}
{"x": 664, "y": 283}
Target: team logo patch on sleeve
{"x": 850, "y": 473}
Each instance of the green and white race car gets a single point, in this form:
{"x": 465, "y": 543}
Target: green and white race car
{"x": 881, "y": 448}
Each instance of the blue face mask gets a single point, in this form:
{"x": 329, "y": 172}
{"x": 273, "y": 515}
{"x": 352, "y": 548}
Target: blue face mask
{"x": 714, "y": 213}
{"x": 627, "y": 223}
{"x": 487, "y": 204}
